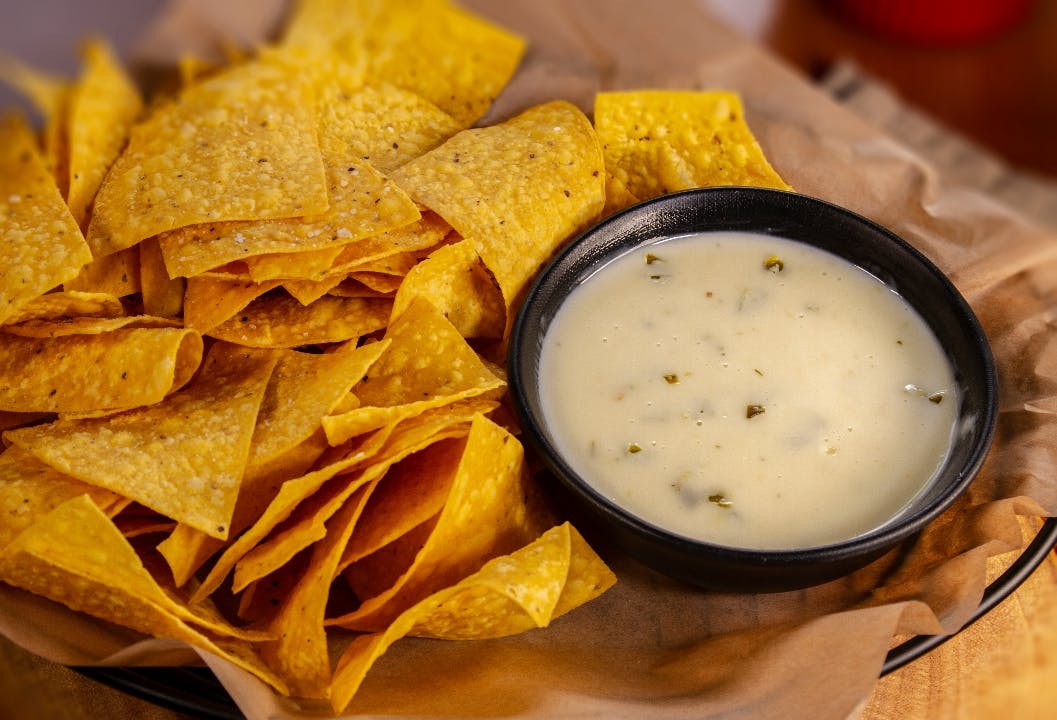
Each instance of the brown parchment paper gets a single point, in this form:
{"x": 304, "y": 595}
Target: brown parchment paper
{"x": 651, "y": 647}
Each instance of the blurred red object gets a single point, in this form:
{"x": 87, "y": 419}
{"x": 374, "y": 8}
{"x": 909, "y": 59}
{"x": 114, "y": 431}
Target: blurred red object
{"x": 933, "y": 22}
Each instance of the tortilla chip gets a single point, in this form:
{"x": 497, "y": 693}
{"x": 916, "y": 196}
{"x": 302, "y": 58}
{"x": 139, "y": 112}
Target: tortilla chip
{"x": 63, "y": 326}
{"x": 383, "y": 124}
{"x": 75, "y": 555}
{"x": 116, "y": 274}
{"x": 425, "y": 233}
{"x": 103, "y": 104}
{"x": 162, "y": 296}
{"x": 307, "y": 292}
{"x": 305, "y": 506}
{"x": 69, "y": 304}
{"x": 43, "y": 247}
{"x": 187, "y": 549}
{"x": 510, "y": 594}
{"x": 428, "y": 365}
{"x": 363, "y": 203}
{"x": 455, "y": 59}
{"x": 485, "y": 515}
{"x": 183, "y": 457}
{"x": 29, "y": 489}
{"x": 208, "y": 302}
{"x": 307, "y": 265}
{"x": 247, "y": 134}
{"x": 455, "y": 280}
{"x": 280, "y": 321}
{"x": 300, "y": 652}
{"x": 49, "y": 95}
{"x": 660, "y": 141}
{"x": 547, "y": 157}
{"x": 303, "y": 389}
{"x": 80, "y": 373}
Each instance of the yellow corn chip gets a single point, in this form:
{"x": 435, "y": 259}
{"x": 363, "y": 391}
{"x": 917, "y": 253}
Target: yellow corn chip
{"x": 70, "y": 304}
{"x": 382, "y": 124}
{"x": 455, "y": 280}
{"x": 43, "y": 247}
{"x": 279, "y": 321}
{"x": 183, "y": 457}
{"x": 248, "y": 134}
{"x": 453, "y": 58}
{"x": 162, "y": 296}
{"x": 103, "y": 104}
{"x": 363, "y": 203}
{"x": 75, "y": 555}
{"x": 303, "y": 389}
{"x": 428, "y": 365}
{"x": 485, "y": 516}
{"x": 116, "y": 274}
{"x": 90, "y": 372}
{"x": 208, "y": 302}
{"x": 29, "y": 489}
{"x": 660, "y": 141}
{"x": 547, "y": 157}
{"x": 528, "y": 588}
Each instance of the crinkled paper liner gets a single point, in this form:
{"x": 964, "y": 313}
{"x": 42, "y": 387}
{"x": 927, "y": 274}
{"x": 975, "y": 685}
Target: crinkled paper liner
{"x": 651, "y": 647}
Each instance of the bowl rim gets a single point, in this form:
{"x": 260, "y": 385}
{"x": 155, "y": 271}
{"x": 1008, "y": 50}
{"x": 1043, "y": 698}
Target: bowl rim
{"x": 888, "y": 534}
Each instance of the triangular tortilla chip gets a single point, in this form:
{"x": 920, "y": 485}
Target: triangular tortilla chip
{"x": 183, "y": 457}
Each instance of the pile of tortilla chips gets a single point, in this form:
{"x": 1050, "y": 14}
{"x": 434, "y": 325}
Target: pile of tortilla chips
{"x": 251, "y": 334}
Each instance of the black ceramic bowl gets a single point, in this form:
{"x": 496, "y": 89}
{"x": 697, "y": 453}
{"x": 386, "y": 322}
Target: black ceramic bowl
{"x": 800, "y": 218}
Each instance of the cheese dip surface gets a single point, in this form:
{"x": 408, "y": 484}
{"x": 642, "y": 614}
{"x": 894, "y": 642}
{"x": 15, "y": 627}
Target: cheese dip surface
{"x": 747, "y": 390}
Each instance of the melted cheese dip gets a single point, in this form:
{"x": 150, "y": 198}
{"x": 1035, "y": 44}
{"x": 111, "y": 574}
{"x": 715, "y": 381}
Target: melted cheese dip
{"x": 747, "y": 390}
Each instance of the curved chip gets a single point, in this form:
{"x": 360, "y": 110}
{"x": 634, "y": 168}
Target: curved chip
{"x": 510, "y": 594}
{"x": 84, "y": 373}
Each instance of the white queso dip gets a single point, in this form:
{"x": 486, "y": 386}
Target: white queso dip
{"x": 747, "y": 390}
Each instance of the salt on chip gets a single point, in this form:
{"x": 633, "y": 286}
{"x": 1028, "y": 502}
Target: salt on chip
{"x": 280, "y": 321}
{"x": 247, "y": 134}
{"x": 660, "y": 141}
{"x": 456, "y": 281}
{"x": 75, "y": 555}
{"x": 123, "y": 368}
{"x": 43, "y": 246}
{"x": 362, "y": 203}
{"x": 510, "y": 594}
{"x": 524, "y": 187}
{"x": 381, "y": 123}
{"x": 427, "y": 365}
{"x": 183, "y": 457}
{"x": 485, "y": 515}
{"x": 103, "y": 104}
